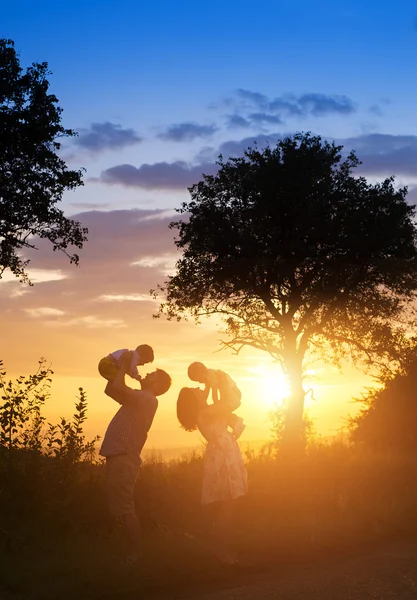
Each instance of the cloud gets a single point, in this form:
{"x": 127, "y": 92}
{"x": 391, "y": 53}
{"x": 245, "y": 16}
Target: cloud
{"x": 44, "y": 311}
{"x": 412, "y": 195}
{"x": 127, "y": 255}
{"x": 187, "y": 132}
{"x": 35, "y": 275}
{"x": 126, "y": 298}
{"x": 92, "y": 322}
{"x": 235, "y": 148}
{"x": 385, "y": 154}
{"x": 158, "y": 176}
{"x": 376, "y": 110}
{"x": 254, "y": 108}
{"x": 90, "y": 206}
{"x": 237, "y": 121}
{"x": 320, "y": 105}
{"x": 106, "y": 136}
{"x": 261, "y": 118}
{"x": 380, "y": 154}
{"x": 165, "y": 264}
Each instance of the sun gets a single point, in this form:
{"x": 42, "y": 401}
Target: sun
{"x": 272, "y": 384}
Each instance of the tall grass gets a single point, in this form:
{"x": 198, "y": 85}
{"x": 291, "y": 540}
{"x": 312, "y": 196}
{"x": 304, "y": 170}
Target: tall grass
{"x": 57, "y": 539}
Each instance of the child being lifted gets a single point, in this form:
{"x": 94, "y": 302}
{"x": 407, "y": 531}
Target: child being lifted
{"x": 109, "y": 365}
{"x": 223, "y": 389}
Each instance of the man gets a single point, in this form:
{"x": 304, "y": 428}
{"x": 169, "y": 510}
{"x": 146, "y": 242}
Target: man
{"x": 123, "y": 442}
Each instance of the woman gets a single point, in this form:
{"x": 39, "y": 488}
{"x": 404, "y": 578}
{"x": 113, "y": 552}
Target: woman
{"x": 224, "y": 473}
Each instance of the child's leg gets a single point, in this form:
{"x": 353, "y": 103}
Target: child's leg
{"x": 107, "y": 368}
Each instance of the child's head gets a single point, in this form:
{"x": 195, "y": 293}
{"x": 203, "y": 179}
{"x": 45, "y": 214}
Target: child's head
{"x": 158, "y": 382}
{"x": 145, "y": 354}
{"x": 188, "y": 407}
{"x": 198, "y": 372}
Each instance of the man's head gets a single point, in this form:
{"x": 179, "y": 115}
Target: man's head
{"x": 146, "y": 354}
{"x": 198, "y": 372}
{"x": 158, "y": 382}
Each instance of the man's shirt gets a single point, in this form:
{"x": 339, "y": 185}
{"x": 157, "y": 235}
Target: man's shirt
{"x": 128, "y": 430}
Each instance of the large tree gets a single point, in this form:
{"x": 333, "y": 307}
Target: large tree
{"x": 33, "y": 177}
{"x": 298, "y": 256}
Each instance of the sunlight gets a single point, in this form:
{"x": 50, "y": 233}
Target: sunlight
{"x": 273, "y": 385}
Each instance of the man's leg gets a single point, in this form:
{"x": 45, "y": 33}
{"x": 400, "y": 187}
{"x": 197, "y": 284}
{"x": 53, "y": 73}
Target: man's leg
{"x": 121, "y": 475}
{"x": 134, "y": 535}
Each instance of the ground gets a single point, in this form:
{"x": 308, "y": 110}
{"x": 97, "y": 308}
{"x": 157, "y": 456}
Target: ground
{"x": 385, "y": 573}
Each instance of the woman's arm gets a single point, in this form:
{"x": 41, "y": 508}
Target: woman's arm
{"x": 207, "y": 415}
{"x": 211, "y": 411}
{"x": 204, "y": 393}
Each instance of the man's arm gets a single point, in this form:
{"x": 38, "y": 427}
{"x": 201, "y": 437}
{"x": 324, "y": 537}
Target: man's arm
{"x": 149, "y": 408}
{"x": 118, "y": 390}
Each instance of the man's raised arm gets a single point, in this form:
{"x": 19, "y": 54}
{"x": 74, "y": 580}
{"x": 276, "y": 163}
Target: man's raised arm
{"x": 117, "y": 389}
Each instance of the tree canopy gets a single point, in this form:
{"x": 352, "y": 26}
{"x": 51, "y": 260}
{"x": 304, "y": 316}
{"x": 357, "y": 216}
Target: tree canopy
{"x": 388, "y": 419}
{"x": 298, "y": 256}
{"x": 33, "y": 177}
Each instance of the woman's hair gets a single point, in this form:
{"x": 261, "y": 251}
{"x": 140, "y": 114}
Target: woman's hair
{"x": 188, "y": 408}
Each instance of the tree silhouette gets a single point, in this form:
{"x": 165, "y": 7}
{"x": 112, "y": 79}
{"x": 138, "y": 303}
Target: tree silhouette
{"x": 33, "y": 177}
{"x": 388, "y": 420}
{"x": 298, "y": 257}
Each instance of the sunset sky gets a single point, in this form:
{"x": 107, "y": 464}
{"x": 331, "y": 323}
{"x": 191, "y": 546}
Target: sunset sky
{"x": 157, "y": 90}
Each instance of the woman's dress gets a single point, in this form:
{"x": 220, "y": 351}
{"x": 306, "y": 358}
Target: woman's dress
{"x": 224, "y": 474}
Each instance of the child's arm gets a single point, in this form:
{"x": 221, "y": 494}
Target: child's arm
{"x": 133, "y": 367}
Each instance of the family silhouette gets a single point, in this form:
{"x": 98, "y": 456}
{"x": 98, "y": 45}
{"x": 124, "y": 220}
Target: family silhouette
{"x": 224, "y": 472}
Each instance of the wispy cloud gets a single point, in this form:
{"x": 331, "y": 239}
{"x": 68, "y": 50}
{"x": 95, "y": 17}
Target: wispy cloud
{"x": 385, "y": 154}
{"x": 44, "y": 311}
{"x": 381, "y": 154}
{"x": 106, "y": 136}
{"x": 92, "y": 322}
{"x": 158, "y": 176}
{"x": 187, "y": 132}
{"x": 126, "y": 298}
{"x": 35, "y": 276}
{"x": 256, "y": 109}
{"x": 127, "y": 255}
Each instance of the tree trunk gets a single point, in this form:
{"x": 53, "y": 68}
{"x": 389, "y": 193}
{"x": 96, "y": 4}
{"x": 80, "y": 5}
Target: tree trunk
{"x": 294, "y": 424}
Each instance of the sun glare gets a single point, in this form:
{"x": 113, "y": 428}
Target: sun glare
{"x": 273, "y": 385}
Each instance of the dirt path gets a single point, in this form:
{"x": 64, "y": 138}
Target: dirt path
{"x": 387, "y": 573}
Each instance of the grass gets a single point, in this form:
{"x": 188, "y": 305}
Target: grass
{"x": 59, "y": 542}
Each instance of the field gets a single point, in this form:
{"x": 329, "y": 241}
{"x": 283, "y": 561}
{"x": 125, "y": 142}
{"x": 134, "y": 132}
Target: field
{"x": 58, "y": 541}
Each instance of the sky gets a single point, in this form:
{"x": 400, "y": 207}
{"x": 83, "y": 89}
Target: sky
{"x": 156, "y": 91}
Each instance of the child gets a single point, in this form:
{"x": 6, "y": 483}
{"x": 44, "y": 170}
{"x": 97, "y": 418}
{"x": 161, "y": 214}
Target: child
{"x": 220, "y": 383}
{"x": 109, "y": 365}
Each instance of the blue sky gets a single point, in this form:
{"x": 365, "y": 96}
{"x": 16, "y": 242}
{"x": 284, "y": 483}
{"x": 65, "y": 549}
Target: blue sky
{"x": 145, "y": 67}
{"x": 156, "y": 90}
